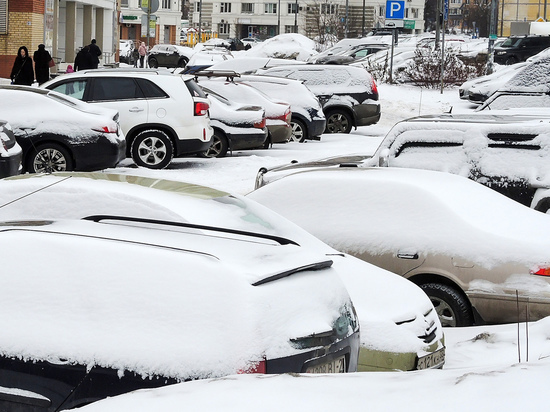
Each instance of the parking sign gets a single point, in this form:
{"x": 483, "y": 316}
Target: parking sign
{"x": 395, "y": 9}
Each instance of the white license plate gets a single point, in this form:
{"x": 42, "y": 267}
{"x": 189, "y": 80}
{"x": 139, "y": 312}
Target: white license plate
{"x": 337, "y": 365}
{"x": 432, "y": 360}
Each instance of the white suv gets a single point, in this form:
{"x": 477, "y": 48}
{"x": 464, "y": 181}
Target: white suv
{"x": 163, "y": 115}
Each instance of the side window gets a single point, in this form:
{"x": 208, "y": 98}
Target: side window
{"x": 74, "y": 89}
{"x": 115, "y": 88}
{"x": 150, "y": 89}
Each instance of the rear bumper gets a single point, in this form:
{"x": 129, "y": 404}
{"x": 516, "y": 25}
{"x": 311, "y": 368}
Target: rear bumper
{"x": 11, "y": 165}
{"x": 366, "y": 114}
{"x": 348, "y": 347}
{"x": 316, "y": 128}
{"x": 243, "y": 141}
{"x": 280, "y": 133}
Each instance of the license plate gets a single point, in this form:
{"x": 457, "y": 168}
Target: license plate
{"x": 432, "y": 360}
{"x": 337, "y": 365}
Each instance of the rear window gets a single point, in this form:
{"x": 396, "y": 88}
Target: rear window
{"x": 150, "y": 89}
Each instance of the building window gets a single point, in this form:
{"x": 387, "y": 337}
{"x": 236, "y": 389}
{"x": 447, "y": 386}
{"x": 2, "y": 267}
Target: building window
{"x": 197, "y": 7}
{"x": 289, "y": 29}
{"x": 166, "y": 4}
{"x": 414, "y": 13}
{"x": 225, "y": 8}
{"x": 247, "y": 8}
{"x": 328, "y": 8}
{"x": 123, "y": 3}
{"x": 270, "y": 8}
{"x": 223, "y": 28}
{"x": 3, "y": 16}
{"x": 292, "y": 8}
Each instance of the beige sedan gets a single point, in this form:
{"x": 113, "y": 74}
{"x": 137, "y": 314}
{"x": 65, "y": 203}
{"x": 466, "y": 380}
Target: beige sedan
{"x": 480, "y": 257}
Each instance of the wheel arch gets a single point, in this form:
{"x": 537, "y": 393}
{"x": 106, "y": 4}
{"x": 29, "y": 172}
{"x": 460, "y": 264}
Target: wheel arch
{"x": 348, "y": 109}
{"x": 220, "y": 131}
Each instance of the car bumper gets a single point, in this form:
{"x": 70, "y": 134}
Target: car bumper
{"x": 366, "y": 114}
{"x": 280, "y": 133}
{"x": 348, "y": 348}
{"x": 243, "y": 141}
{"x": 316, "y": 128}
{"x": 10, "y": 165}
{"x": 100, "y": 153}
{"x": 196, "y": 145}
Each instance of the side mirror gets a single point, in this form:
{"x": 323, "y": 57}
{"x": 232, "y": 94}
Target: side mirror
{"x": 384, "y": 158}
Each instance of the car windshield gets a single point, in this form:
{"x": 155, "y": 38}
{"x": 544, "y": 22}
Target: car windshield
{"x": 511, "y": 42}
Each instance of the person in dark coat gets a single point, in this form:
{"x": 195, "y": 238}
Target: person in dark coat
{"x": 42, "y": 60}
{"x": 96, "y": 52}
{"x": 84, "y": 59}
{"x": 22, "y": 71}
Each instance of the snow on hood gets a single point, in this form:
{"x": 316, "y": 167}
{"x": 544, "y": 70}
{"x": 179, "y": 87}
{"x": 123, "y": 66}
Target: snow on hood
{"x": 290, "y": 46}
{"x": 386, "y": 209}
{"x": 231, "y": 113}
{"x": 246, "y": 64}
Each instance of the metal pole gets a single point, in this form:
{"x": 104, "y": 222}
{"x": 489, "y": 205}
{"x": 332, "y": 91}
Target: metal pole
{"x": 363, "y": 21}
{"x": 347, "y": 28}
{"x": 200, "y": 22}
{"x": 393, "y": 34}
{"x": 279, "y": 18}
{"x": 296, "y": 17}
{"x": 148, "y": 22}
{"x": 442, "y": 52}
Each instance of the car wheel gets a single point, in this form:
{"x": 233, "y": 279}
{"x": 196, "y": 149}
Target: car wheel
{"x": 219, "y": 146}
{"x": 153, "y": 63}
{"x": 451, "y": 305}
{"x": 511, "y": 60}
{"x": 299, "y": 131}
{"x": 48, "y": 158}
{"x": 183, "y": 62}
{"x": 152, "y": 149}
{"x": 338, "y": 121}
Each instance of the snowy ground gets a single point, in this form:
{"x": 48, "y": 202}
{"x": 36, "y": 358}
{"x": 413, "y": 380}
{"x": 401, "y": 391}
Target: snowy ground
{"x": 500, "y": 368}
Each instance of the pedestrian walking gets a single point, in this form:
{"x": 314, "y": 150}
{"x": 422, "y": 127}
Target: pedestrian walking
{"x": 84, "y": 59}
{"x": 42, "y": 59}
{"x": 135, "y": 56}
{"x": 22, "y": 71}
{"x": 96, "y": 52}
{"x": 142, "y": 53}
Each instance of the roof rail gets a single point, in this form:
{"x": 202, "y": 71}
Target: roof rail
{"x": 278, "y": 239}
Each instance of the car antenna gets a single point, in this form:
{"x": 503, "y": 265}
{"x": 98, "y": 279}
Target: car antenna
{"x": 32, "y": 193}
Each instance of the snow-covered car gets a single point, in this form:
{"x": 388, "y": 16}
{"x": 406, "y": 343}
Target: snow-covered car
{"x": 516, "y": 102}
{"x": 479, "y": 256}
{"x": 162, "y": 282}
{"x": 250, "y": 42}
{"x": 348, "y": 95}
{"x": 162, "y": 114}
{"x": 206, "y": 57}
{"x": 354, "y": 54}
{"x": 277, "y": 113}
{"x": 10, "y": 151}
{"x": 169, "y": 55}
{"x": 58, "y": 133}
{"x": 236, "y": 126}
{"x": 401, "y": 328}
{"x": 506, "y": 152}
{"x": 307, "y": 120}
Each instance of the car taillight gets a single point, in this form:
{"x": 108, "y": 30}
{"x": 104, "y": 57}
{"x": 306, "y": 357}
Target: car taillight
{"x": 286, "y": 116}
{"x": 201, "y": 108}
{"x": 545, "y": 271}
{"x": 259, "y": 367}
{"x": 374, "y": 88}
{"x": 107, "y": 129}
{"x": 260, "y": 124}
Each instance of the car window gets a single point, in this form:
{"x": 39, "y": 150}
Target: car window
{"x": 72, "y": 88}
{"x": 115, "y": 88}
{"x": 508, "y": 101}
{"x": 511, "y": 42}
{"x": 151, "y": 90}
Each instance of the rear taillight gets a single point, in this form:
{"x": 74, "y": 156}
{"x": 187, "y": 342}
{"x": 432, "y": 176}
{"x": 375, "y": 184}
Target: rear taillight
{"x": 286, "y": 116}
{"x": 260, "y": 124}
{"x": 374, "y": 88}
{"x": 259, "y": 367}
{"x": 107, "y": 129}
{"x": 201, "y": 108}
{"x": 545, "y": 271}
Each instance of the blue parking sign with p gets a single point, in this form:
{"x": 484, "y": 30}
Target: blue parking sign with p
{"x": 395, "y": 9}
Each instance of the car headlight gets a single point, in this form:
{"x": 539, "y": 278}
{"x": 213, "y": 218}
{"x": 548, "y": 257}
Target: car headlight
{"x": 501, "y": 53}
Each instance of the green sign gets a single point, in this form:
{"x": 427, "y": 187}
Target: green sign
{"x": 492, "y": 36}
{"x": 129, "y": 17}
{"x": 408, "y": 24}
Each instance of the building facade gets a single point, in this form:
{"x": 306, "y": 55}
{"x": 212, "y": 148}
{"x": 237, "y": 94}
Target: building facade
{"x": 267, "y": 18}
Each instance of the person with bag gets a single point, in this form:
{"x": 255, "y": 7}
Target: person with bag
{"x": 42, "y": 63}
{"x": 142, "y": 53}
{"x": 22, "y": 71}
{"x": 84, "y": 59}
{"x": 96, "y": 52}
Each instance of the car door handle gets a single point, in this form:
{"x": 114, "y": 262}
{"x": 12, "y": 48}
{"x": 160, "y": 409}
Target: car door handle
{"x": 407, "y": 255}
{"x": 136, "y": 110}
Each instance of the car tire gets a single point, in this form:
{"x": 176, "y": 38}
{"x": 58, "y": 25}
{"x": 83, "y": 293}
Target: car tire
{"x": 183, "y": 62}
{"x": 511, "y": 60}
{"x": 48, "y": 158}
{"x": 338, "y": 121}
{"x": 152, "y": 149}
{"x": 153, "y": 63}
{"x": 299, "y": 131}
{"x": 451, "y": 305}
{"x": 219, "y": 146}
